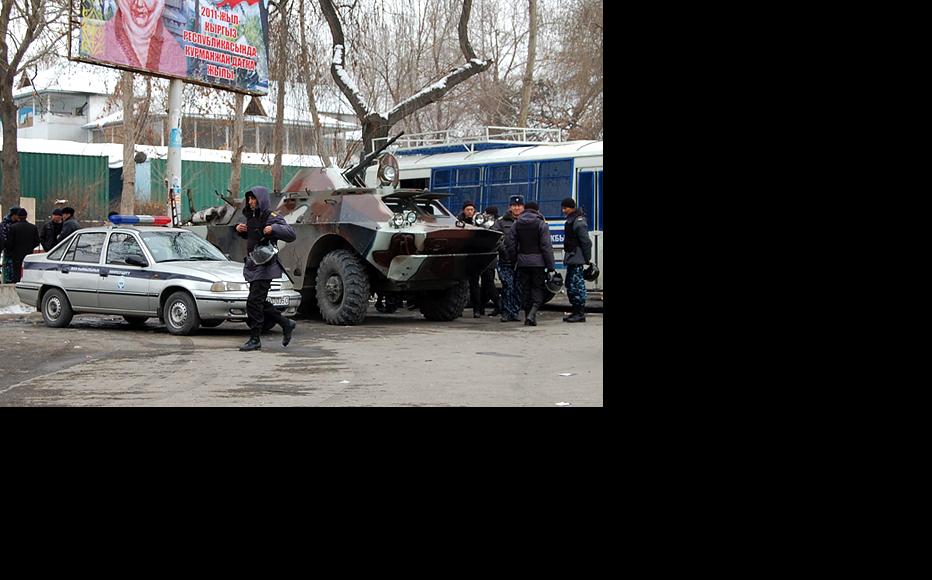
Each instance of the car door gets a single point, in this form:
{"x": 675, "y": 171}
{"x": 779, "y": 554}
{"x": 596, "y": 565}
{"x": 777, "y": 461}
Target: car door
{"x": 80, "y": 269}
{"x": 122, "y": 287}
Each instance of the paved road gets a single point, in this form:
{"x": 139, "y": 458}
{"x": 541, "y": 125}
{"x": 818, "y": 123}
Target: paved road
{"x": 390, "y": 360}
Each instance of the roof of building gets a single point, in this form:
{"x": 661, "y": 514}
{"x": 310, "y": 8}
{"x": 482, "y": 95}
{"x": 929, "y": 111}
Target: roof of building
{"x": 114, "y": 153}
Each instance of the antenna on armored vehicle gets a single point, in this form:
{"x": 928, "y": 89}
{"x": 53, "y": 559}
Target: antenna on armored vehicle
{"x": 354, "y": 174}
{"x": 227, "y": 200}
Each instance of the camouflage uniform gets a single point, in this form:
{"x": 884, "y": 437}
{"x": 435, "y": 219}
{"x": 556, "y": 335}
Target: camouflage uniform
{"x": 577, "y": 252}
{"x": 511, "y": 294}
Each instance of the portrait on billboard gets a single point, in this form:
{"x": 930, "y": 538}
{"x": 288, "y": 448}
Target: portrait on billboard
{"x": 220, "y": 43}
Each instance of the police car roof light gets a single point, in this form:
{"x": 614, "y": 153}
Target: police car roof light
{"x": 150, "y": 220}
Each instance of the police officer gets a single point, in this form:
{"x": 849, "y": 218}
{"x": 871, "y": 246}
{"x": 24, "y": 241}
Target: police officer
{"x": 528, "y": 246}
{"x": 511, "y": 295}
{"x": 262, "y": 224}
{"x": 6, "y": 265}
{"x": 577, "y": 252}
{"x": 475, "y": 294}
{"x": 487, "y": 278}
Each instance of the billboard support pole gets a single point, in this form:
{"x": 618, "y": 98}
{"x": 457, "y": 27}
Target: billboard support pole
{"x": 174, "y": 151}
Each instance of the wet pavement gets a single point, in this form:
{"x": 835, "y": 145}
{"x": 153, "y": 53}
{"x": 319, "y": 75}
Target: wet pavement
{"x": 397, "y": 359}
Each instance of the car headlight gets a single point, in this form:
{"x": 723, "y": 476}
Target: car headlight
{"x": 398, "y": 220}
{"x": 229, "y": 287}
{"x": 410, "y": 218}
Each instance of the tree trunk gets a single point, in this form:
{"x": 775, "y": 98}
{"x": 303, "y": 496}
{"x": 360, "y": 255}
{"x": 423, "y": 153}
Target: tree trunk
{"x": 9, "y": 159}
{"x": 236, "y": 144}
{"x": 529, "y": 70}
{"x": 278, "y": 132}
{"x": 320, "y": 146}
{"x": 128, "y": 199}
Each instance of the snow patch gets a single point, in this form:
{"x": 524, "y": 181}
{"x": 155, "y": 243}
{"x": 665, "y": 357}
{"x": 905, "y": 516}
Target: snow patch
{"x": 16, "y": 309}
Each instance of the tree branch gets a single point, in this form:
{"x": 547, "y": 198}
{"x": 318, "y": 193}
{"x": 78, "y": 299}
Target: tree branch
{"x": 340, "y": 76}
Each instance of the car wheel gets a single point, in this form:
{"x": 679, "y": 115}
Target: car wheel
{"x": 180, "y": 314}
{"x": 342, "y": 288}
{"x": 211, "y": 323}
{"x": 56, "y": 309}
{"x": 135, "y": 320}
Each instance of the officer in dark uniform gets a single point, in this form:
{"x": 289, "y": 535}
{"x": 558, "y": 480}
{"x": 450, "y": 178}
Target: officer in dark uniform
{"x": 528, "y": 246}
{"x": 577, "y": 252}
{"x": 475, "y": 293}
{"x": 21, "y": 239}
{"x": 262, "y": 224}
{"x": 511, "y": 295}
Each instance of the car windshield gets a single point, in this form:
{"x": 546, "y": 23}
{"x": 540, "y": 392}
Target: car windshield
{"x": 175, "y": 246}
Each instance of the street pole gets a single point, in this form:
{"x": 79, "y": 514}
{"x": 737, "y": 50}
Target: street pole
{"x": 174, "y": 151}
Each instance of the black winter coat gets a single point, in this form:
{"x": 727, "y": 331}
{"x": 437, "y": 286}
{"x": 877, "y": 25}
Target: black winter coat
{"x": 22, "y": 238}
{"x": 527, "y": 244}
{"x": 255, "y": 223}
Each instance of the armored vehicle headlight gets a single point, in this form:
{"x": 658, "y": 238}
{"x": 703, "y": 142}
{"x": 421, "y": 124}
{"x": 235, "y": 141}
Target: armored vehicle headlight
{"x": 229, "y": 287}
{"x": 398, "y": 220}
{"x": 410, "y": 218}
{"x": 389, "y": 173}
{"x": 479, "y": 219}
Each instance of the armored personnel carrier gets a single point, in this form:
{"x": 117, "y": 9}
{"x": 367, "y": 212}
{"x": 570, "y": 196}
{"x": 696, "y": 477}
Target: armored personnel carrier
{"x": 354, "y": 242}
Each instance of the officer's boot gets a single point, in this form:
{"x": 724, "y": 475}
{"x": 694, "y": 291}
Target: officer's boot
{"x": 251, "y": 344}
{"x": 579, "y": 314}
{"x": 531, "y": 318}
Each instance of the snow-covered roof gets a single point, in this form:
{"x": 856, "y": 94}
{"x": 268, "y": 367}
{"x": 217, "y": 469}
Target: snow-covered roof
{"x": 69, "y": 77}
{"x": 292, "y": 119}
{"x": 114, "y": 153}
{"x": 534, "y": 152}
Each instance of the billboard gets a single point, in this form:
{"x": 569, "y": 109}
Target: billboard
{"x": 219, "y": 43}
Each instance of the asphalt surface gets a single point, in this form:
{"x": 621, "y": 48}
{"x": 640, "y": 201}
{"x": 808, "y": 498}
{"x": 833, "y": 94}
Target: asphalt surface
{"x": 397, "y": 359}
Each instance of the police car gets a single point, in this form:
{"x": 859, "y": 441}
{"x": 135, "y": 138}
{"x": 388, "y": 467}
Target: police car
{"x": 139, "y": 270}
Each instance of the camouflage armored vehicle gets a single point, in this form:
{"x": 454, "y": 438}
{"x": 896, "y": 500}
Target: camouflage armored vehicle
{"x": 354, "y": 242}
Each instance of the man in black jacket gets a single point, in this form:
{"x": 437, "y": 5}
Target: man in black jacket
{"x": 6, "y": 264}
{"x": 69, "y": 225}
{"x": 22, "y": 238}
{"x": 511, "y": 295}
{"x": 262, "y": 224}
{"x": 577, "y": 252}
{"x": 51, "y": 230}
{"x": 528, "y": 246}
{"x": 475, "y": 294}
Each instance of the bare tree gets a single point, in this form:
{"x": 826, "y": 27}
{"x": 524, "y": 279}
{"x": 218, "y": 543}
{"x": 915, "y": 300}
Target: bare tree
{"x": 529, "y": 67}
{"x": 236, "y": 144}
{"x": 310, "y": 82}
{"x": 278, "y": 131}
{"x": 27, "y": 35}
{"x": 128, "y": 199}
{"x": 377, "y": 124}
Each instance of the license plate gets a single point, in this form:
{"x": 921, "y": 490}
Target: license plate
{"x": 283, "y": 301}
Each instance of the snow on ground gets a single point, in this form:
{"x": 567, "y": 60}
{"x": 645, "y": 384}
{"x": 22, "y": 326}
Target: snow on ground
{"x": 16, "y": 309}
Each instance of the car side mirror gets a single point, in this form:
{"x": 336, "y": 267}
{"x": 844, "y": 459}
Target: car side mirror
{"x": 136, "y": 260}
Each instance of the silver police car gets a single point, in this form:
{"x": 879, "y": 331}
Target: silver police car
{"x": 143, "y": 272}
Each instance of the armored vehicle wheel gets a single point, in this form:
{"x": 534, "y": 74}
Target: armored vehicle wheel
{"x": 309, "y": 308}
{"x": 135, "y": 320}
{"x": 211, "y": 323}
{"x": 342, "y": 288}
{"x": 180, "y": 314}
{"x": 56, "y": 309}
{"x": 445, "y": 305}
